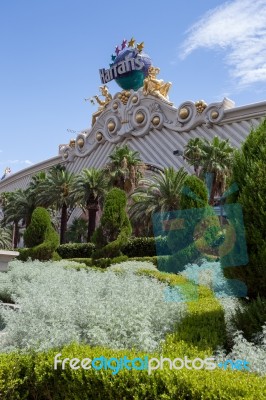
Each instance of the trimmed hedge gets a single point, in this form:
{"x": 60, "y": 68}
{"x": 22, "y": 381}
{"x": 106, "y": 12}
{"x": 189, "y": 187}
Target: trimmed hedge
{"x": 101, "y": 262}
{"x": 40, "y": 237}
{"x": 76, "y": 250}
{"x": 145, "y": 247}
{"x": 106, "y": 262}
{"x": 28, "y": 377}
{"x": 115, "y": 227}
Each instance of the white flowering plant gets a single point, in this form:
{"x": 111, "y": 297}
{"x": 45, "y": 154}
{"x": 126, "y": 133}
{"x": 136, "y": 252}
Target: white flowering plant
{"x": 59, "y": 306}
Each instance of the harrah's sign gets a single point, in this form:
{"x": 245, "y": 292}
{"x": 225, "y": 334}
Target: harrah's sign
{"x": 129, "y": 64}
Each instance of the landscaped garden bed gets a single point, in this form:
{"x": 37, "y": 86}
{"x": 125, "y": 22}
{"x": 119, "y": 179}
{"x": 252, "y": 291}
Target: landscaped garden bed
{"x": 112, "y": 313}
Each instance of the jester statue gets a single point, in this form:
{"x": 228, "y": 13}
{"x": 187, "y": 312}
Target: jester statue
{"x": 154, "y": 86}
{"x": 102, "y": 103}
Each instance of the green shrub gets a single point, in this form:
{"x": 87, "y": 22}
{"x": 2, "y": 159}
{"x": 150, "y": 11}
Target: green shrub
{"x": 114, "y": 228}
{"x": 139, "y": 247}
{"x": 76, "y": 250}
{"x": 32, "y": 377}
{"x": 87, "y": 261}
{"x": 119, "y": 259}
{"x": 145, "y": 247}
{"x": 106, "y": 262}
{"x": 197, "y": 238}
{"x": 249, "y": 171}
{"x": 194, "y": 194}
{"x": 151, "y": 259}
{"x": 251, "y": 318}
{"x": 101, "y": 262}
{"x": 36, "y": 231}
{"x": 40, "y": 237}
{"x": 23, "y": 254}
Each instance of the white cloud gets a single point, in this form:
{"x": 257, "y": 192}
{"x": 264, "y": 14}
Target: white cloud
{"x": 13, "y": 161}
{"x": 8, "y": 162}
{"x": 238, "y": 26}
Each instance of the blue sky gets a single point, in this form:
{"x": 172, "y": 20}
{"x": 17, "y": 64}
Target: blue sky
{"x": 51, "y": 52}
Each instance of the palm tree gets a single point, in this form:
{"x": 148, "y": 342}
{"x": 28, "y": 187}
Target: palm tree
{"x": 57, "y": 190}
{"x": 5, "y": 238}
{"x": 90, "y": 188}
{"x": 77, "y": 232}
{"x": 18, "y": 206}
{"x": 193, "y": 153}
{"x": 217, "y": 162}
{"x": 125, "y": 168}
{"x": 36, "y": 180}
{"x": 211, "y": 160}
{"x": 160, "y": 193}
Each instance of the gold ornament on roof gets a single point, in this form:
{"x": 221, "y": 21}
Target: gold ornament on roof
{"x": 140, "y": 46}
{"x": 200, "y": 106}
{"x": 156, "y": 87}
{"x": 139, "y": 117}
{"x": 111, "y": 125}
{"x": 184, "y": 113}
{"x": 80, "y": 142}
{"x": 131, "y": 43}
{"x": 124, "y": 96}
{"x": 214, "y": 114}
{"x": 103, "y": 103}
{"x": 99, "y": 136}
{"x": 156, "y": 120}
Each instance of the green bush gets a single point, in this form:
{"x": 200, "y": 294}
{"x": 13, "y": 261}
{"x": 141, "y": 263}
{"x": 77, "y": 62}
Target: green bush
{"x": 145, "y": 247}
{"x": 119, "y": 259}
{"x": 114, "y": 228}
{"x": 101, "y": 262}
{"x": 249, "y": 171}
{"x": 35, "y": 233}
{"x": 199, "y": 232}
{"x": 198, "y": 238}
{"x": 87, "y": 261}
{"x": 76, "y": 250}
{"x": 40, "y": 237}
{"x": 251, "y": 318}
{"x": 153, "y": 260}
{"x": 33, "y": 377}
{"x": 106, "y": 262}
{"x": 194, "y": 194}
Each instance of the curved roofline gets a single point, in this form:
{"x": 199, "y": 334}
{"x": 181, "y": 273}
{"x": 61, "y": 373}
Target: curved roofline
{"x": 231, "y": 114}
{"x": 30, "y": 171}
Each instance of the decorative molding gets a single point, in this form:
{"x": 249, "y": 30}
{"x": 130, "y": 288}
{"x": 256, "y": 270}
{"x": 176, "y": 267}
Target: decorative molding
{"x": 140, "y": 115}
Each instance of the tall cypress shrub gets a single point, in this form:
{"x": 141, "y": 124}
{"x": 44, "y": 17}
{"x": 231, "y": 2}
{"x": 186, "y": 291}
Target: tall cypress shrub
{"x": 249, "y": 172}
{"x": 115, "y": 227}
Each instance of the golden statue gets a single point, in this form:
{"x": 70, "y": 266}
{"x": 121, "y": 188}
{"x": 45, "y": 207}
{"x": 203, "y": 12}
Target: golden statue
{"x": 154, "y": 86}
{"x": 102, "y": 103}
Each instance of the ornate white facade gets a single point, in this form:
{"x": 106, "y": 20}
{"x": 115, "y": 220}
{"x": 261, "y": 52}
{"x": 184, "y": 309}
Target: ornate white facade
{"x": 153, "y": 127}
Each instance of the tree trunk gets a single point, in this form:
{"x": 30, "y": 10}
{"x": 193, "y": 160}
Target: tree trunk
{"x": 92, "y": 211}
{"x": 15, "y": 235}
{"x": 213, "y": 190}
{"x": 63, "y": 225}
